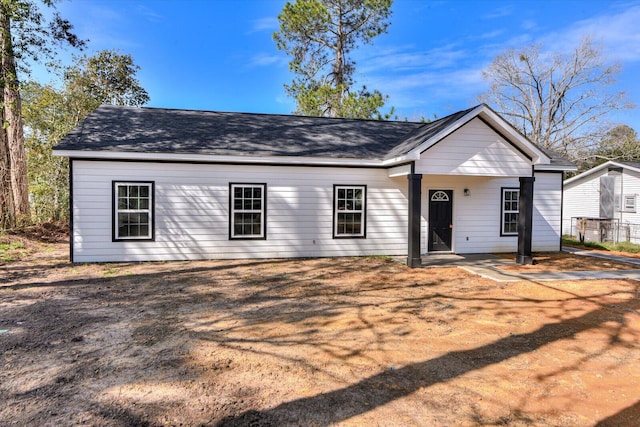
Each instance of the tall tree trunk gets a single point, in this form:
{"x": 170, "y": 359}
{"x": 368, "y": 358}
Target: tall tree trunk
{"x": 7, "y": 211}
{"x": 12, "y": 124}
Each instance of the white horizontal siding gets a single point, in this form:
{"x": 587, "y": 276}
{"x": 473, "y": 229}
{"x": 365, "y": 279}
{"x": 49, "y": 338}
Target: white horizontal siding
{"x": 474, "y": 150}
{"x": 476, "y": 218}
{"x": 192, "y": 212}
{"x": 630, "y": 220}
{"x": 547, "y": 204}
{"x": 581, "y": 198}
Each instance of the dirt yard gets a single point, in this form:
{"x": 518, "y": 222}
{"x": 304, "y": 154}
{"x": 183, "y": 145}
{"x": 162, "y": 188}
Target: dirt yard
{"x": 350, "y": 342}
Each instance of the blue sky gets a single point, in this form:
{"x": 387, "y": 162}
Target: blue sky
{"x": 219, "y": 54}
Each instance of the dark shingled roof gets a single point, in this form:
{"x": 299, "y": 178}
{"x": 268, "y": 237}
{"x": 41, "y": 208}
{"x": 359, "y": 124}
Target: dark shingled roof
{"x": 155, "y": 130}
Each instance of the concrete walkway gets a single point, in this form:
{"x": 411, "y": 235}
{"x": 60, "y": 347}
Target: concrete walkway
{"x": 584, "y": 252}
{"x": 487, "y": 266}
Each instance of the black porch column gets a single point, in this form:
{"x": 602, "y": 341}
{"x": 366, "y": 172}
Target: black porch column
{"x": 415, "y": 200}
{"x": 525, "y": 220}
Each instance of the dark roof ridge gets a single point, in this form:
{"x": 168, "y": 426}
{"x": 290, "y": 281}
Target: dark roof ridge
{"x": 247, "y": 113}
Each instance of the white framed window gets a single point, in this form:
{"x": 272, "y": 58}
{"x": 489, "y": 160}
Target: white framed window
{"x": 509, "y": 211}
{"x": 247, "y": 211}
{"x": 349, "y": 211}
{"x": 133, "y": 210}
{"x": 629, "y": 203}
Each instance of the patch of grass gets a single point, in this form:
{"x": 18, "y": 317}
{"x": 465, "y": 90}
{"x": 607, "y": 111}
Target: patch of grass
{"x": 110, "y": 271}
{"x": 605, "y": 246}
{"x": 626, "y": 247}
{"x": 386, "y": 258}
{"x": 12, "y": 251}
{"x": 572, "y": 241}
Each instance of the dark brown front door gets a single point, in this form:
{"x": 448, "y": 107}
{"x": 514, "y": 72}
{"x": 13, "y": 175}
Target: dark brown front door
{"x": 440, "y": 220}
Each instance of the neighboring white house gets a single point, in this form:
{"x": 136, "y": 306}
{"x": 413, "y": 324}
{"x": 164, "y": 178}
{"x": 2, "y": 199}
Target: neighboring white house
{"x": 607, "y": 197}
{"x": 157, "y": 184}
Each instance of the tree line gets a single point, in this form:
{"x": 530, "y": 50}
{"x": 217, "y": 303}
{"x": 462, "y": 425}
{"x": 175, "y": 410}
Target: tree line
{"x": 561, "y": 101}
{"x": 35, "y": 116}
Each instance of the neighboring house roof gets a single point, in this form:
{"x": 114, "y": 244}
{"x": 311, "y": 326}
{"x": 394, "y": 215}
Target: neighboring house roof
{"x": 128, "y": 132}
{"x": 633, "y": 166}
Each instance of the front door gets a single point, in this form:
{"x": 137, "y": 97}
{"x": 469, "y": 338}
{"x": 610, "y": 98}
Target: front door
{"x": 440, "y": 220}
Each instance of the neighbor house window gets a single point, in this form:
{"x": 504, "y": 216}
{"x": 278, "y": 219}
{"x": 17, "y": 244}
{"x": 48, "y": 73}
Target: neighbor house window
{"x": 629, "y": 203}
{"x": 349, "y": 219}
{"x": 248, "y": 209}
{"x": 133, "y": 210}
{"x": 509, "y": 212}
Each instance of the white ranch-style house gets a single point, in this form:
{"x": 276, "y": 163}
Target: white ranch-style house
{"x": 159, "y": 184}
{"x": 603, "y": 201}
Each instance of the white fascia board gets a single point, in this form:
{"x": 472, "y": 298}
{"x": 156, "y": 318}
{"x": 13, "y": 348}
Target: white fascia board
{"x": 174, "y": 157}
{"x": 401, "y": 170}
{"x": 409, "y": 157}
{"x": 551, "y": 168}
{"x": 608, "y": 164}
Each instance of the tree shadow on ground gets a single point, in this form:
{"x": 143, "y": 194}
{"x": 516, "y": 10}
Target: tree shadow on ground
{"x": 629, "y": 416}
{"x": 174, "y": 311}
{"x": 342, "y": 404}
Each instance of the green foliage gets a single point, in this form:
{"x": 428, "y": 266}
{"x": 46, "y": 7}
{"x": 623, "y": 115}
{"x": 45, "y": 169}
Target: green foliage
{"x": 572, "y": 241}
{"x": 106, "y": 78}
{"x": 319, "y": 35}
{"x": 27, "y": 35}
{"x": 606, "y": 246}
{"x": 50, "y": 113}
{"x": 621, "y": 144}
{"x": 48, "y": 119}
{"x": 12, "y": 251}
{"x": 36, "y": 36}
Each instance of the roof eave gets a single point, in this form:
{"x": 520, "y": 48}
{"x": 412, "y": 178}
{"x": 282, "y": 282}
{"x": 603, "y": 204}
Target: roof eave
{"x": 482, "y": 110}
{"x": 207, "y": 158}
{"x": 555, "y": 168}
{"x": 598, "y": 168}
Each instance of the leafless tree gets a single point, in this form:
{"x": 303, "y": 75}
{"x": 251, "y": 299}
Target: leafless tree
{"x": 559, "y": 101}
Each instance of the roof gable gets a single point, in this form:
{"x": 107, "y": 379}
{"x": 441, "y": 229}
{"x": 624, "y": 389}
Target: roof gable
{"x": 491, "y": 119}
{"x": 474, "y": 149}
{"x": 632, "y": 166}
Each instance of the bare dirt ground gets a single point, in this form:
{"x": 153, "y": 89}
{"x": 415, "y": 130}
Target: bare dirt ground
{"x": 554, "y": 261}
{"x": 348, "y": 341}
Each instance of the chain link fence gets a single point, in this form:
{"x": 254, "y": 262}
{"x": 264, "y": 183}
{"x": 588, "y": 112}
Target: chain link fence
{"x": 601, "y": 230}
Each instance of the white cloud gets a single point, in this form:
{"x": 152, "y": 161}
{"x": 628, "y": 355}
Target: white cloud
{"x": 264, "y": 24}
{"x": 617, "y": 30}
{"x": 149, "y": 14}
{"x": 499, "y": 12}
{"x": 491, "y": 34}
{"x": 407, "y": 58}
{"x": 265, "y": 59}
{"x": 529, "y": 25}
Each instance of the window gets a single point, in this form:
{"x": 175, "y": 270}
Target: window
{"x": 509, "y": 212}
{"x": 248, "y": 208}
{"x": 349, "y": 216}
{"x": 629, "y": 203}
{"x": 133, "y": 210}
